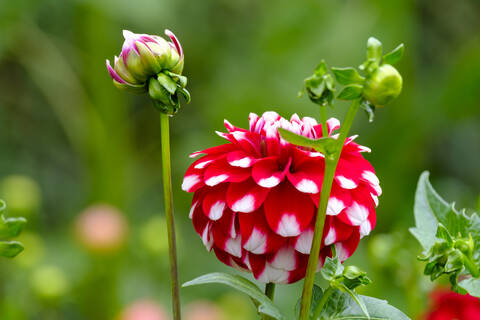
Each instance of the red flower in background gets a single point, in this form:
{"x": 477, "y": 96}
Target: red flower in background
{"x": 255, "y": 198}
{"x": 448, "y": 305}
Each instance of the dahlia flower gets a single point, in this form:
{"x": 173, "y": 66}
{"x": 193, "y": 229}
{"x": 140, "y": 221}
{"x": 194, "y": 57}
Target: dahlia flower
{"x": 144, "y": 56}
{"x": 256, "y": 197}
{"x": 447, "y": 305}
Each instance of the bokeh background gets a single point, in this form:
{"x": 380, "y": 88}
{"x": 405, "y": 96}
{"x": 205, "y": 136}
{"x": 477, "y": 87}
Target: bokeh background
{"x": 81, "y": 160}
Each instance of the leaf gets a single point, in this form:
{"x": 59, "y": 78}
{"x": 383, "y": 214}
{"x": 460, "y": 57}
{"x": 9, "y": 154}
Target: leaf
{"x": 321, "y": 69}
{"x": 395, "y": 55}
{"x": 11, "y": 227}
{"x": 374, "y": 49}
{"x": 168, "y": 83}
{"x": 347, "y": 76}
{"x": 325, "y": 145}
{"x": 341, "y": 305}
{"x": 471, "y": 285}
{"x": 265, "y": 305}
{"x": 351, "y": 92}
{"x": 10, "y": 249}
{"x": 431, "y": 210}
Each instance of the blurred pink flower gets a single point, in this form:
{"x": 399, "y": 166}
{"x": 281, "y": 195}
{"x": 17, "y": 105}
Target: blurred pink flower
{"x": 101, "y": 228}
{"x": 256, "y": 198}
{"x": 203, "y": 310}
{"x": 144, "y": 310}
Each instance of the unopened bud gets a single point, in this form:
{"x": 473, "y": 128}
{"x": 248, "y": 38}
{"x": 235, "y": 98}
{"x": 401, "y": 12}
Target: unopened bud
{"x": 383, "y": 85}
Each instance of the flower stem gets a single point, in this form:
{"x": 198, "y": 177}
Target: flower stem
{"x": 331, "y": 162}
{"x": 323, "y": 119}
{"x": 321, "y": 303}
{"x": 168, "y": 199}
{"x": 270, "y": 290}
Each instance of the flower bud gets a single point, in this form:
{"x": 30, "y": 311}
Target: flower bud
{"x": 383, "y": 85}
{"x": 466, "y": 246}
{"x": 144, "y": 56}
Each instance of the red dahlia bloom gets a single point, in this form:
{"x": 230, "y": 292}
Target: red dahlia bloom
{"x": 448, "y": 305}
{"x": 256, "y": 197}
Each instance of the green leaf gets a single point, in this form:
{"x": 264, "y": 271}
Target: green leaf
{"x": 325, "y": 145}
{"x": 11, "y": 227}
{"x": 471, "y": 285}
{"x": 395, "y": 55}
{"x": 358, "y": 300}
{"x": 10, "y": 249}
{"x": 321, "y": 69}
{"x": 347, "y": 76}
{"x": 351, "y": 92}
{"x": 374, "y": 49}
{"x": 341, "y": 306}
{"x": 265, "y": 305}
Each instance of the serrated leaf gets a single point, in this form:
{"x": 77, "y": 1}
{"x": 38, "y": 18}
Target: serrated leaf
{"x": 11, "y": 227}
{"x": 471, "y": 285}
{"x": 395, "y": 55}
{"x": 10, "y": 249}
{"x": 325, "y": 145}
{"x": 430, "y": 210}
{"x": 265, "y": 305}
{"x": 347, "y": 76}
{"x": 351, "y": 92}
{"x": 341, "y": 306}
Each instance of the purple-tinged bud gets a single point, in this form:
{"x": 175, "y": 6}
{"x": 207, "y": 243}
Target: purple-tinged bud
{"x": 144, "y": 56}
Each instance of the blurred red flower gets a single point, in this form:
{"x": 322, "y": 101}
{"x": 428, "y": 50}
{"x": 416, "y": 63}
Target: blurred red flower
{"x": 256, "y": 197}
{"x": 448, "y": 305}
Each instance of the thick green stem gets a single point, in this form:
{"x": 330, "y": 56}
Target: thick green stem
{"x": 168, "y": 199}
{"x": 331, "y": 162}
{"x": 321, "y": 303}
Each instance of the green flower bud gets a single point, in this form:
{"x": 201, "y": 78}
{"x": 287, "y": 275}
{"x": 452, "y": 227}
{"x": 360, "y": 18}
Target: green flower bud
{"x": 383, "y": 85}
{"x": 466, "y": 246}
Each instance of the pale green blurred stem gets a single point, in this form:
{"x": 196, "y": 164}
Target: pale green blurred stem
{"x": 168, "y": 199}
{"x": 270, "y": 293}
{"x": 330, "y": 167}
{"x": 471, "y": 266}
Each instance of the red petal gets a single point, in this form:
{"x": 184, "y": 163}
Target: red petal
{"x": 227, "y": 224}
{"x": 307, "y": 176}
{"x": 246, "y": 196}
{"x": 224, "y": 148}
{"x": 268, "y": 172}
{"x": 193, "y": 179}
{"x": 232, "y": 246}
{"x": 347, "y": 175}
{"x": 240, "y": 159}
{"x": 361, "y": 207}
{"x": 288, "y": 211}
{"x": 339, "y": 200}
{"x": 214, "y": 204}
{"x": 286, "y": 258}
{"x": 346, "y": 248}
{"x": 336, "y": 231}
{"x": 257, "y": 237}
{"x": 220, "y": 171}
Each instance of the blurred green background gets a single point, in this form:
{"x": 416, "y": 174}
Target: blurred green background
{"x": 81, "y": 160}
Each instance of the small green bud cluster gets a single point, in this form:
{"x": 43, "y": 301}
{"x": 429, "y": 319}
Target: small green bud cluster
{"x": 380, "y": 84}
{"x": 340, "y": 276}
{"x": 449, "y": 256}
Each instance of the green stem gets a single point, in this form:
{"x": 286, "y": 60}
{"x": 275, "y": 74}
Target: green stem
{"x": 270, "y": 290}
{"x": 471, "y": 266}
{"x": 168, "y": 199}
{"x": 331, "y": 162}
{"x": 323, "y": 119}
{"x": 321, "y": 304}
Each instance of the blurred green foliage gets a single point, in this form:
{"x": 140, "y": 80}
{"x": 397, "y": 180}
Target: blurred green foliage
{"x": 72, "y": 140}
